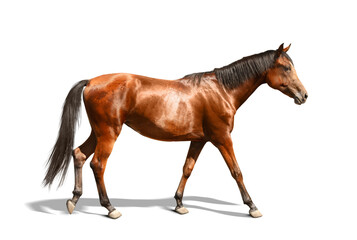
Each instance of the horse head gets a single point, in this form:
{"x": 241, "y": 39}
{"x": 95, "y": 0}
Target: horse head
{"x": 283, "y": 77}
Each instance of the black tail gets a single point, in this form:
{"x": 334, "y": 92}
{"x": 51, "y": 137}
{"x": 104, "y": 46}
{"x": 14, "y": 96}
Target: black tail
{"x": 60, "y": 157}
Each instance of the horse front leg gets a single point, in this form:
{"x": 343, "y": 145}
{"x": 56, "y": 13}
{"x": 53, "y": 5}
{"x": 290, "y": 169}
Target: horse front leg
{"x": 192, "y": 155}
{"x": 225, "y": 146}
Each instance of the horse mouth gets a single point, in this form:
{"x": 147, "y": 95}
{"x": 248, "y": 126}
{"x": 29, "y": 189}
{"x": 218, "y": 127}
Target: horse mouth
{"x": 298, "y": 101}
{"x": 300, "y": 98}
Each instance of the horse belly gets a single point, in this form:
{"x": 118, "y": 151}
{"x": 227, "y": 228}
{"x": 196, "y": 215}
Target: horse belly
{"x": 167, "y": 118}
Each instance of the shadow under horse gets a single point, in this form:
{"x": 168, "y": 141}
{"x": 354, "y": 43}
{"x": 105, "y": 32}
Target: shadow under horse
{"x": 47, "y": 206}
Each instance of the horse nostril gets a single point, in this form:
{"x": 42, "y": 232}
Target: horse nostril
{"x": 306, "y": 95}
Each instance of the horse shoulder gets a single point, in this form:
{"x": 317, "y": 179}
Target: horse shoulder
{"x": 219, "y": 111}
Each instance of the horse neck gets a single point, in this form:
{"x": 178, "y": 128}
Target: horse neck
{"x": 241, "y": 93}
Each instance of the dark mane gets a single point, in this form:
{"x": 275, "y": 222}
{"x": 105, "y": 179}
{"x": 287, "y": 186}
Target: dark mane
{"x": 238, "y": 72}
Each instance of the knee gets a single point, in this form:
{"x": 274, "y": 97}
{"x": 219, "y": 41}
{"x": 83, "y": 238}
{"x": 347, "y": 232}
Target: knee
{"x": 187, "y": 171}
{"x": 236, "y": 174}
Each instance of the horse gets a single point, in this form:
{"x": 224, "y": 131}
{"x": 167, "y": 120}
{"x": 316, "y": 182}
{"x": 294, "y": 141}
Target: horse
{"x": 199, "y": 107}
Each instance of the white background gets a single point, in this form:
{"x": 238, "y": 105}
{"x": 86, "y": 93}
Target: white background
{"x": 298, "y": 162}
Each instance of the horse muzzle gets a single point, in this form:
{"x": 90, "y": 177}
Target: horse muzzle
{"x": 300, "y": 98}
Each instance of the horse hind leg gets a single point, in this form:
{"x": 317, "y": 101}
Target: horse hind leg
{"x": 80, "y": 155}
{"x": 102, "y": 152}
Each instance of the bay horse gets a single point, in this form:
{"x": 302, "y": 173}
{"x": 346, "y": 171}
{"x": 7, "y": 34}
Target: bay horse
{"x": 199, "y": 107}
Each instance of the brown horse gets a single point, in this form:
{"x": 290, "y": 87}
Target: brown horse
{"x": 199, "y": 107}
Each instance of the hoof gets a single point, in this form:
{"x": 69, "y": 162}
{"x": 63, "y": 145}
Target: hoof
{"x": 181, "y": 210}
{"x": 114, "y": 214}
{"x": 255, "y": 213}
{"x": 70, "y": 206}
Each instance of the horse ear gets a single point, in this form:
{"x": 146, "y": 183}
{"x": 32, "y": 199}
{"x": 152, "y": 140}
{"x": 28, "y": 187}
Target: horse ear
{"x": 279, "y": 50}
{"x": 287, "y": 48}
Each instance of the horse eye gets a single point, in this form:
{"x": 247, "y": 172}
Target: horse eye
{"x": 287, "y": 69}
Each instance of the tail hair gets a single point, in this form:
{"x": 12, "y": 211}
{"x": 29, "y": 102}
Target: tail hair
{"x": 60, "y": 157}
